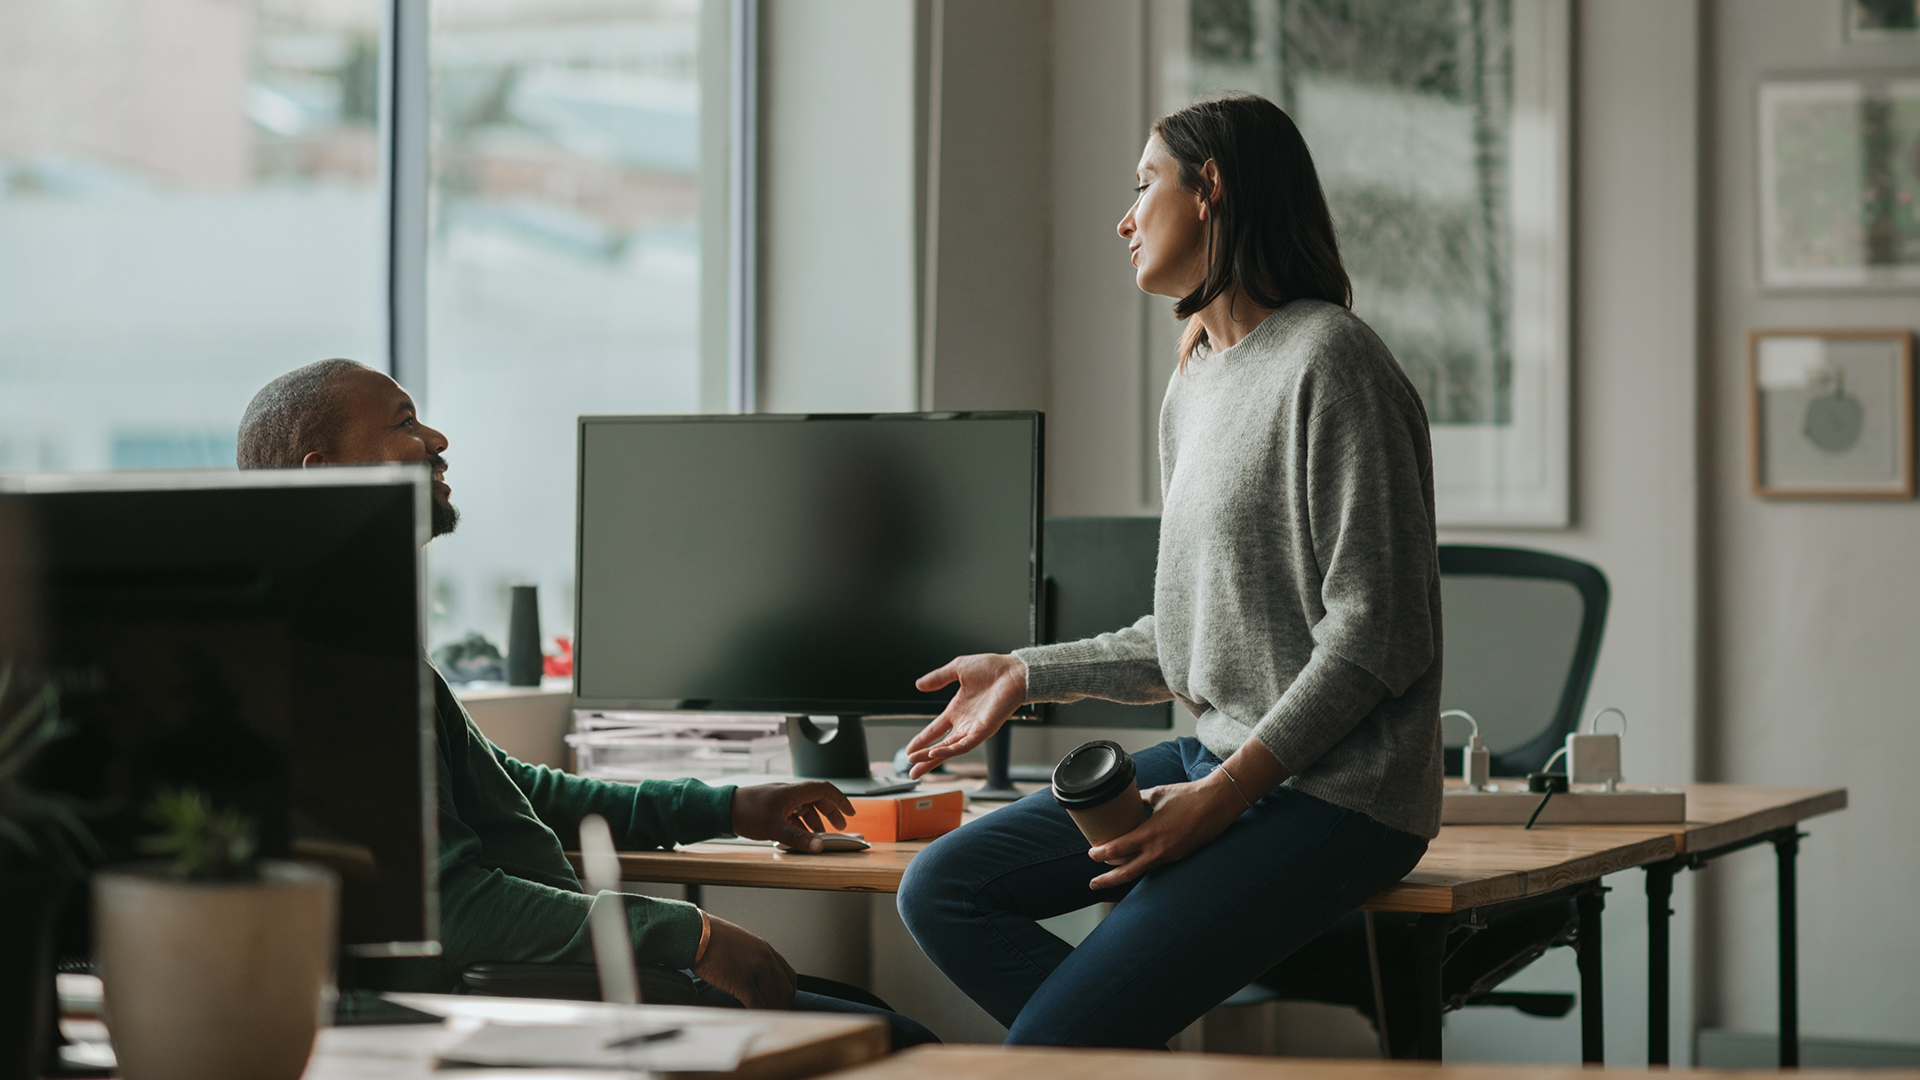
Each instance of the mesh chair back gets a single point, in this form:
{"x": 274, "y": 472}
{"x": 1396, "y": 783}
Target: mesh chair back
{"x": 1522, "y": 631}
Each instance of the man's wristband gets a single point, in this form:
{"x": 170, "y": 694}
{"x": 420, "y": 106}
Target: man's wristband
{"x": 706, "y": 931}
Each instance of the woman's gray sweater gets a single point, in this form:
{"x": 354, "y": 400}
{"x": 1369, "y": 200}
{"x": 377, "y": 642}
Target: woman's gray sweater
{"x": 1297, "y": 599}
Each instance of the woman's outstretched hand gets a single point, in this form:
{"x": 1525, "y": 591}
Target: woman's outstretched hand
{"x": 992, "y": 685}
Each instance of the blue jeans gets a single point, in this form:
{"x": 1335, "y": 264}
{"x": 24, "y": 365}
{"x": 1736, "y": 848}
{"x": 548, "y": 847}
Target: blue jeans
{"x": 1181, "y": 939}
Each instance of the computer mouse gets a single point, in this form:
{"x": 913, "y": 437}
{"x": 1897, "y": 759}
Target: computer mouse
{"x": 833, "y": 842}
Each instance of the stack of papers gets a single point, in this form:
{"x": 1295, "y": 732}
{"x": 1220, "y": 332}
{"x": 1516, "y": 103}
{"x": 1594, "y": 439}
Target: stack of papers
{"x": 692, "y": 1048}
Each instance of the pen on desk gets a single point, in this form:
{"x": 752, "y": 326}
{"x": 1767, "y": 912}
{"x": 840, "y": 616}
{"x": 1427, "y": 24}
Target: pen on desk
{"x": 656, "y": 1035}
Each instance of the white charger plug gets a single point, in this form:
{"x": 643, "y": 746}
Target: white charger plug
{"x": 1475, "y": 758}
{"x": 1594, "y": 758}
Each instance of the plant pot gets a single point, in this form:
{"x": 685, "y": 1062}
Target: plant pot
{"x": 29, "y": 903}
{"x": 215, "y": 980}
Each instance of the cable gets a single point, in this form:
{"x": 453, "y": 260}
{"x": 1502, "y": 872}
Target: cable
{"x": 1593, "y": 722}
{"x": 1547, "y": 782}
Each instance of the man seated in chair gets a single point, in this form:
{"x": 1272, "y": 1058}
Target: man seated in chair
{"x": 507, "y": 891}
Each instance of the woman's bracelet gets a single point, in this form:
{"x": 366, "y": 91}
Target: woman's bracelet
{"x": 1236, "y": 786}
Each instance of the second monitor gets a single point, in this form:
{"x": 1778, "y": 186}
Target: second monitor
{"x": 801, "y": 565}
{"x": 1099, "y": 578}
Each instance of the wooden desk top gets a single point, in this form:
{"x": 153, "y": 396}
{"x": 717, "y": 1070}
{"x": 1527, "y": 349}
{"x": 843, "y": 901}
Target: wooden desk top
{"x": 1465, "y": 866}
{"x": 878, "y": 870}
{"x": 993, "y": 1062}
{"x": 1470, "y": 865}
{"x": 1722, "y": 814}
{"x": 794, "y": 1046}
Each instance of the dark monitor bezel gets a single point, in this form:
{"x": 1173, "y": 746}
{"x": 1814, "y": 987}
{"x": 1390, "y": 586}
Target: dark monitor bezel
{"x": 879, "y": 709}
{"x": 419, "y": 479}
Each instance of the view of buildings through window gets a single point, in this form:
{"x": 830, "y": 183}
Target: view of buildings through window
{"x": 190, "y": 205}
{"x": 563, "y": 269}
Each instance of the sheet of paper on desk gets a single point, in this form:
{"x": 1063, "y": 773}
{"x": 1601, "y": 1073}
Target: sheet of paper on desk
{"x": 698, "y": 1047}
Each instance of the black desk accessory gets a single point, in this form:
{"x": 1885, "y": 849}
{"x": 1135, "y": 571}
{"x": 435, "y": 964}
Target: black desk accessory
{"x": 525, "y": 662}
{"x": 1550, "y": 783}
{"x": 829, "y": 752}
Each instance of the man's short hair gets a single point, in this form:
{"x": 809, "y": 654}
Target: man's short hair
{"x": 292, "y": 416}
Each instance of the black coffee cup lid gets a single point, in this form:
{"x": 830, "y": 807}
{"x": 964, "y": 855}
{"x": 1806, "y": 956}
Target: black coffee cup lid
{"x": 1091, "y": 774}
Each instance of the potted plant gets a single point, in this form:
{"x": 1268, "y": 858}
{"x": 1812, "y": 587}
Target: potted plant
{"x": 216, "y": 964}
{"x": 42, "y": 842}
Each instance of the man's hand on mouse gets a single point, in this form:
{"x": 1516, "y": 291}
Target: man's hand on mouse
{"x": 790, "y": 813}
{"x": 746, "y": 966}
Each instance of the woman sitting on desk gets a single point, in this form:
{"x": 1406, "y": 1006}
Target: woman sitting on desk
{"x": 1296, "y": 614}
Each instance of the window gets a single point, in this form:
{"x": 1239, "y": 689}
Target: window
{"x": 195, "y": 198}
{"x": 570, "y": 182}
{"x": 190, "y": 205}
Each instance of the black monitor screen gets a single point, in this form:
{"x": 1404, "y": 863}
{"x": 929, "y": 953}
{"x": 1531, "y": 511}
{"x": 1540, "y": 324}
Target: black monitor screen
{"x": 801, "y": 563}
{"x": 254, "y": 637}
{"x": 1099, "y": 578}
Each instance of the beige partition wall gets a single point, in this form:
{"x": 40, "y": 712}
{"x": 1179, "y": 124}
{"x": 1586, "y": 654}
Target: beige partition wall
{"x": 1812, "y": 608}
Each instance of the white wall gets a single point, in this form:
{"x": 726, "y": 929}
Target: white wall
{"x": 1812, "y": 608}
{"x": 838, "y": 255}
{"x": 987, "y": 238}
{"x": 1098, "y": 442}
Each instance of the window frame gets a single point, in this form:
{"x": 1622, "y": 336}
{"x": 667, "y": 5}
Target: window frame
{"x": 406, "y": 179}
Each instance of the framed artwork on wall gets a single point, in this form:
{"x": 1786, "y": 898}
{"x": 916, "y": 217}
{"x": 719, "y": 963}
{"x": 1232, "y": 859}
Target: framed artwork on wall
{"x": 1840, "y": 182}
{"x": 1830, "y": 413}
{"x": 1441, "y": 131}
{"x": 1880, "y": 20}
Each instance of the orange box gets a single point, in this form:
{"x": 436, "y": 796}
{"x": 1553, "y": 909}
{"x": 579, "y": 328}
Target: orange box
{"x": 908, "y": 815}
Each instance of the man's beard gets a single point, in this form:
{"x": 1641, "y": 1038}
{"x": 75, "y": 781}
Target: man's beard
{"x": 445, "y": 517}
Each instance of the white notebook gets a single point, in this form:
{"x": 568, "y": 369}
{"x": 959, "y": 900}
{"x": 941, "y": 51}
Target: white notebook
{"x": 697, "y": 1047}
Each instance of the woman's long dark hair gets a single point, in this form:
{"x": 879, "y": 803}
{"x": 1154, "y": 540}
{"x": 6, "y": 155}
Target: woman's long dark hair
{"x": 1270, "y": 234}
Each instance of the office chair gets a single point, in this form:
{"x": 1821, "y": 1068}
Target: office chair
{"x": 1521, "y": 631}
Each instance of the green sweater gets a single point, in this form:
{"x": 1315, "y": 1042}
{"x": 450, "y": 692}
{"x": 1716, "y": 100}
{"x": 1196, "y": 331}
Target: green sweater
{"x": 507, "y": 891}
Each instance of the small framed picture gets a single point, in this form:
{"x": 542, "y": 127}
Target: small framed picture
{"x": 1831, "y": 413}
{"x": 1875, "y": 20}
{"x": 1840, "y": 182}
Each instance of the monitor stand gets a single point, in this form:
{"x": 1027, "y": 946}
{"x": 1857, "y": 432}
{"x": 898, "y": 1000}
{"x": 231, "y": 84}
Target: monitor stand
{"x": 999, "y": 786}
{"x": 838, "y": 754}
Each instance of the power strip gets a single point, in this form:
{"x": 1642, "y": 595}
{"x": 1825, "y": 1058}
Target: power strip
{"x": 1509, "y": 802}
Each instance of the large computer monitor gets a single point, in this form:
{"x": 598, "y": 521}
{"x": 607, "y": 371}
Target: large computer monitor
{"x": 801, "y": 564}
{"x": 256, "y": 636}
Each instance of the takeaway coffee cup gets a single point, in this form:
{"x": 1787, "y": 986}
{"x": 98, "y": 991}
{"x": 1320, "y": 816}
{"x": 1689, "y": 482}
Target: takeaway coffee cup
{"x": 1095, "y": 785}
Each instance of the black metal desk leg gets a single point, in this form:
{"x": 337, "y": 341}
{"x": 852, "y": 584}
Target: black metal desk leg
{"x": 1659, "y": 912}
{"x": 1786, "y": 845}
{"x": 1593, "y": 1041}
{"x": 1430, "y": 935}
